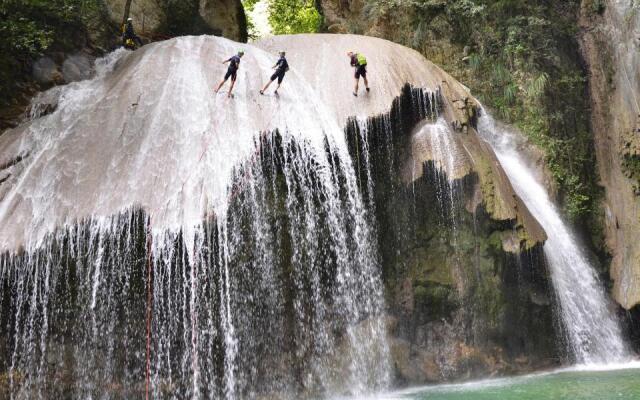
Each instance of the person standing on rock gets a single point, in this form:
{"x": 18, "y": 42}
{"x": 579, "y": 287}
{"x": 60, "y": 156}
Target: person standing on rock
{"x": 281, "y": 67}
{"x": 359, "y": 62}
{"x": 129, "y": 37}
{"x": 232, "y": 72}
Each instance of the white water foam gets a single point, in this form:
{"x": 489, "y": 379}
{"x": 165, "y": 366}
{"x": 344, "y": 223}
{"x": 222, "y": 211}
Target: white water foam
{"x": 593, "y": 334}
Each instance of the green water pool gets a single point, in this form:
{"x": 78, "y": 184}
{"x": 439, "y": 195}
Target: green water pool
{"x": 621, "y": 384}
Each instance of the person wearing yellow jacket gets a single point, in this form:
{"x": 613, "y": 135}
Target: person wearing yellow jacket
{"x": 359, "y": 62}
{"x": 129, "y": 37}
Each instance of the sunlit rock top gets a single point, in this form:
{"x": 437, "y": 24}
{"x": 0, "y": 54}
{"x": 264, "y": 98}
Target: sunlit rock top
{"x": 148, "y": 131}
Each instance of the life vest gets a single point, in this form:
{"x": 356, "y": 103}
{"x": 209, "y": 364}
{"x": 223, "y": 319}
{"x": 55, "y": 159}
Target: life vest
{"x": 362, "y": 60}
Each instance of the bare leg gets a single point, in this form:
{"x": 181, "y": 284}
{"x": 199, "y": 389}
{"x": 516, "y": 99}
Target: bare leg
{"x": 276, "y": 91}
{"x": 366, "y": 83}
{"x": 220, "y": 85}
{"x": 233, "y": 82}
{"x": 355, "y": 91}
{"x": 265, "y": 87}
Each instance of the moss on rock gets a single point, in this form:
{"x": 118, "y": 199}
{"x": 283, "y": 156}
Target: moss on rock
{"x": 464, "y": 277}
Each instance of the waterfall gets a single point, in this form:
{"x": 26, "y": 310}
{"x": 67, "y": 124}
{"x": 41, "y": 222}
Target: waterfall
{"x": 184, "y": 245}
{"x": 593, "y": 333}
{"x": 446, "y": 159}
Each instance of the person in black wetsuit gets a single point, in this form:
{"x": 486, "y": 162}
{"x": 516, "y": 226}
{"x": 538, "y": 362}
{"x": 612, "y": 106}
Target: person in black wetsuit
{"x": 359, "y": 62}
{"x": 129, "y": 37}
{"x": 281, "y": 67}
{"x": 232, "y": 72}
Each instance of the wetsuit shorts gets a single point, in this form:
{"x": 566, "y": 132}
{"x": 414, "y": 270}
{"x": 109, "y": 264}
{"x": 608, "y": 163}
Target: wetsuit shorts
{"x": 231, "y": 72}
{"x": 361, "y": 71}
{"x": 278, "y": 74}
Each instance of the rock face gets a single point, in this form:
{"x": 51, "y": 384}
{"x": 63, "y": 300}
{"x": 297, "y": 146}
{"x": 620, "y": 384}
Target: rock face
{"x": 166, "y": 18}
{"x": 466, "y": 287}
{"x": 610, "y": 46}
{"x": 343, "y": 16}
{"x": 349, "y": 16}
{"x": 461, "y": 255}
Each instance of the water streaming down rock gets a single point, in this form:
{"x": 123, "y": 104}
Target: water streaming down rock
{"x": 229, "y": 248}
{"x": 593, "y": 333}
{"x": 438, "y": 138}
{"x": 466, "y": 285}
{"x": 239, "y": 263}
{"x": 203, "y": 246}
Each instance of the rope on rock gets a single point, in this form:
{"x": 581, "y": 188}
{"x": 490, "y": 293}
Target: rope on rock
{"x": 149, "y": 309}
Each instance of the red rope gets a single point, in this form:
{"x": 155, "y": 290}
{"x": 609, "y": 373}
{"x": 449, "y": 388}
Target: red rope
{"x": 247, "y": 175}
{"x": 149, "y": 310}
{"x": 236, "y": 190}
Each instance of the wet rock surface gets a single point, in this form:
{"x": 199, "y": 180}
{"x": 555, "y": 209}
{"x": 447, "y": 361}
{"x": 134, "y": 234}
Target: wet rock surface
{"x": 164, "y": 19}
{"x": 466, "y": 288}
{"x": 468, "y": 296}
{"x": 609, "y": 44}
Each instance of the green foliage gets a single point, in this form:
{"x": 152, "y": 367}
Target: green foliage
{"x": 25, "y": 37}
{"x": 294, "y": 16}
{"x": 475, "y": 62}
{"x": 29, "y": 28}
{"x": 286, "y": 16}
{"x": 631, "y": 168}
{"x": 249, "y": 6}
{"x": 510, "y": 93}
{"x": 597, "y": 6}
{"x": 537, "y": 86}
{"x": 523, "y": 62}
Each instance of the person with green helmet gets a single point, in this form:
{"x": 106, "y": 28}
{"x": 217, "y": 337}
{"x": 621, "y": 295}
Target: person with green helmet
{"x": 359, "y": 62}
{"x": 281, "y": 67}
{"x": 232, "y": 72}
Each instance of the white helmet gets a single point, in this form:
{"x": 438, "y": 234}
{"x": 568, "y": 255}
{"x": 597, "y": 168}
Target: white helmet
{"x": 129, "y": 19}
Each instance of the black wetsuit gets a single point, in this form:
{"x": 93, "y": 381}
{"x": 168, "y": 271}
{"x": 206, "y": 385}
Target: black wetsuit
{"x": 281, "y": 68}
{"x": 361, "y": 70}
{"x": 232, "y": 71}
{"x": 129, "y": 34}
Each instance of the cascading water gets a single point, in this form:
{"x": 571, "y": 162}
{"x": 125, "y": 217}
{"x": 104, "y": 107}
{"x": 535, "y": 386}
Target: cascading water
{"x": 446, "y": 158}
{"x": 593, "y": 334}
{"x": 239, "y": 263}
{"x": 158, "y": 239}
